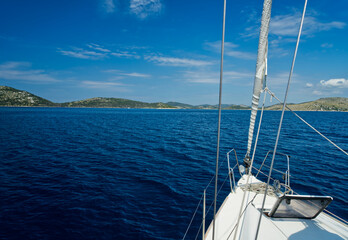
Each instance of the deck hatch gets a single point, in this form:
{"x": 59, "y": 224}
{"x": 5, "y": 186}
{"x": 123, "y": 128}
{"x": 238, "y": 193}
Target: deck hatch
{"x": 299, "y": 206}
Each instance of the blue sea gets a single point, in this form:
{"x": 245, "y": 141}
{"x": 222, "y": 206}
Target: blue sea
{"x": 85, "y": 173}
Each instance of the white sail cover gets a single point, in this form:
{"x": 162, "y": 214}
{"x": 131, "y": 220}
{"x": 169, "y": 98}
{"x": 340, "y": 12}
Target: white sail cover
{"x": 260, "y": 67}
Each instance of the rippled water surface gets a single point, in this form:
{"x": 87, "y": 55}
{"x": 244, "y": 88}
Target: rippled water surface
{"x": 139, "y": 174}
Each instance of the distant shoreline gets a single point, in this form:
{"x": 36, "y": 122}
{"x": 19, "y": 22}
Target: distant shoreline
{"x": 166, "y": 108}
{"x": 11, "y": 97}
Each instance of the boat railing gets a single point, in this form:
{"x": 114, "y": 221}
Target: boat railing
{"x": 286, "y": 174}
{"x": 231, "y": 170}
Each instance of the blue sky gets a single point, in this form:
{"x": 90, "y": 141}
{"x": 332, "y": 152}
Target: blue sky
{"x": 161, "y": 50}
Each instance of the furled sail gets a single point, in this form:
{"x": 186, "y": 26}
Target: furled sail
{"x": 260, "y": 68}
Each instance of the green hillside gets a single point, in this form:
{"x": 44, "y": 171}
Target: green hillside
{"x": 322, "y": 104}
{"x": 180, "y": 105}
{"x": 207, "y": 106}
{"x": 114, "y": 103}
{"x": 14, "y": 97}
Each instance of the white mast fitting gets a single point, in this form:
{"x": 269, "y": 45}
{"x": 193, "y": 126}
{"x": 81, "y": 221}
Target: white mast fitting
{"x": 260, "y": 71}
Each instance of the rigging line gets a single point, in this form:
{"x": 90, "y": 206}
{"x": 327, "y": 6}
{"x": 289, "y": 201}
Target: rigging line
{"x": 219, "y": 122}
{"x": 192, "y": 218}
{"x": 273, "y": 95}
{"x": 282, "y": 116}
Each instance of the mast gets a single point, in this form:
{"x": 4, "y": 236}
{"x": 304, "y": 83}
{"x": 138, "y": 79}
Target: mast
{"x": 259, "y": 73}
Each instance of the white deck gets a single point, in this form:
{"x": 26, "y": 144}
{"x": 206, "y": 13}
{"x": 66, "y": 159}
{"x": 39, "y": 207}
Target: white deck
{"x": 322, "y": 227}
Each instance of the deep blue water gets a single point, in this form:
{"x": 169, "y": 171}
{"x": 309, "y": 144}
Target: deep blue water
{"x": 139, "y": 174}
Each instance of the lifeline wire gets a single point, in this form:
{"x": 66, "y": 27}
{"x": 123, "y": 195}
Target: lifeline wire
{"x": 219, "y": 123}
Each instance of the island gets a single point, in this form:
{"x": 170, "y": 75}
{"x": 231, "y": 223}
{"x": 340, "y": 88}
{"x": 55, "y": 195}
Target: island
{"x": 11, "y": 97}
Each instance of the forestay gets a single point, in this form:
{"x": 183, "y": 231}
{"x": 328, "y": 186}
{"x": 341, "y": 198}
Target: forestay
{"x": 260, "y": 67}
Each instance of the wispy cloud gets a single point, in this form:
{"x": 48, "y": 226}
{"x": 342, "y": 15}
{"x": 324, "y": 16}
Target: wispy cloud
{"x": 144, "y": 8}
{"x": 280, "y": 79}
{"x": 23, "y": 71}
{"x": 96, "y": 52}
{"x": 97, "y": 84}
{"x": 214, "y": 77}
{"x": 8, "y": 38}
{"x": 201, "y": 77}
{"x": 287, "y": 26}
{"x": 230, "y": 50}
{"x": 108, "y": 6}
{"x": 98, "y": 47}
{"x": 177, "y": 62}
{"x": 83, "y": 53}
{"x": 125, "y": 54}
{"x": 132, "y": 74}
{"x": 326, "y": 45}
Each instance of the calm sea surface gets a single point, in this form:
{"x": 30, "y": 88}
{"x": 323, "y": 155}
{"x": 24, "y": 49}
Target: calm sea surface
{"x": 139, "y": 174}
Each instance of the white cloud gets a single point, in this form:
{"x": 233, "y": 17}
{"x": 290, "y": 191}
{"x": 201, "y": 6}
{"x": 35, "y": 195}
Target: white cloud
{"x": 22, "y": 71}
{"x": 109, "y": 6}
{"x": 337, "y": 83}
{"x": 309, "y": 85}
{"x": 83, "y": 54}
{"x": 143, "y": 8}
{"x": 178, "y": 62}
{"x": 331, "y": 87}
{"x": 230, "y": 50}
